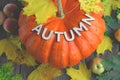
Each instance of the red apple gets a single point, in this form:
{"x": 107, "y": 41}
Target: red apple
{"x": 117, "y": 34}
{"x": 96, "y": 66}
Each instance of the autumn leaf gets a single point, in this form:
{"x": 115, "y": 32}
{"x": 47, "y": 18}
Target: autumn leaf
{"x": 24, "y": 58}
{"x": 44, "y": 72}
{"x": 8, "y": 48}
{"x": 11, "y": 46}
{"x": 83, "y": 73}
{"x": 105, "y": 45}
{"x": 42, "y": 9}
{"x": 110, "y": 5}
{"x": 107, "y": 4}
{"x": 90, "y": 6}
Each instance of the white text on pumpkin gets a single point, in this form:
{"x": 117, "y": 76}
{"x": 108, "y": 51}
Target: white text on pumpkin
{"x": 75, "y": 30}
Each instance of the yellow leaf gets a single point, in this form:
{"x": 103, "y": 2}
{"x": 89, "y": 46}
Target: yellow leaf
{"x": 42, "y": 9}
{"x": 12, "y": 48}
{"x": 79, "y": 74}
{"x": 44, "y": 72}
{"x": 24, "y": 58}
{"x": 90, "y": 6}
{"x": 107, "y": 4}
{"x": 105, "y": 45}
{"x": 8, "y": 49}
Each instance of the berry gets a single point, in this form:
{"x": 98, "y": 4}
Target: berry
{"x": 10, "y": 10}
{"x": 10, "y": 25}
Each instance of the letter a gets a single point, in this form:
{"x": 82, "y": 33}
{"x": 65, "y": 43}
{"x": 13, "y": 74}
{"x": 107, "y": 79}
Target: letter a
{"x": 37, "y": 29}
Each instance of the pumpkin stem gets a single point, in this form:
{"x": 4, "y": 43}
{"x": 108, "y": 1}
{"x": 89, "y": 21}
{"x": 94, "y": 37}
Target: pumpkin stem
{"x": 60, "y": 9}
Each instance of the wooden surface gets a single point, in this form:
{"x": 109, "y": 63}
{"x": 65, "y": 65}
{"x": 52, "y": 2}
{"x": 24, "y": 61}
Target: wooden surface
{"x": 25, "y": 71}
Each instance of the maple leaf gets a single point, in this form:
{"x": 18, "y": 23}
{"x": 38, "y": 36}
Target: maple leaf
{"x": 11, "y": 46}
{"x": 43, "y": 10}
{"x": 106, "y": 44}
{"x": 44, "y": 72}
{"x": 83, "y": 73}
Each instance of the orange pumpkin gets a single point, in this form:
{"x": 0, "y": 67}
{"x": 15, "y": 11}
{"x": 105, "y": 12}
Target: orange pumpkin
{"x": 63, "y": 53}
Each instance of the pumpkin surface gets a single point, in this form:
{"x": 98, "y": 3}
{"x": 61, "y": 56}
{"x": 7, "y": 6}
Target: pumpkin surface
{"x": 64, "y": 53}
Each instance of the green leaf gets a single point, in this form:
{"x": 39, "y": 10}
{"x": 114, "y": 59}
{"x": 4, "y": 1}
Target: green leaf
{"x": 17, "y": 77}
{"x": 6, "y": 72}
{"x": 111, "y": 22}
{"x": 112, "y": 67}
{"x": 108, "y": 64}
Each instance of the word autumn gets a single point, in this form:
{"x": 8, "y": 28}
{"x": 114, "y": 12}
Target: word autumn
{"x": 75, "y": 30}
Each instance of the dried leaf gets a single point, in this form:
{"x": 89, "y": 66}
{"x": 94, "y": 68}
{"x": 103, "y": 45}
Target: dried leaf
{"x": 44, "y": 72}
{"x": 12, "y": 48}
{"x": 43, "y": 10}
{"x": 8, "y": 48}
{"x": 24, "y": 58}
{"x": 106, "y": 44}
{"x": 81, "y": 74}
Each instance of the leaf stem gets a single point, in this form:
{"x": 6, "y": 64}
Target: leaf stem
{"x": 60, "y": 9}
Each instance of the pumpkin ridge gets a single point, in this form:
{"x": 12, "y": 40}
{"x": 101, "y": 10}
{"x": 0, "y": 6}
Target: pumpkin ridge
{"x": 43, "y": 56}
{"x": 65, "y": 52}
{"x": 85, "y": 35}
{"x": 99, "y": 24}
{"x": 75, "y": 56}
{"x": 95, "y": 33}
{"x": 61, "y": 55}
{"x": 35, "y": 46}
{"x": 99, "y": 28}
{"x": 27, "y": 33}
{"x": 49, "y": 26}
{"x": 84, "y": 47}
{"x": 31, "y": 40}
{"x": 79, "y": 50}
